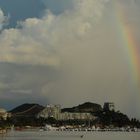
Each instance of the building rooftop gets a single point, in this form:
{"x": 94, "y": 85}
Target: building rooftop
{"x": 2, "y": 110}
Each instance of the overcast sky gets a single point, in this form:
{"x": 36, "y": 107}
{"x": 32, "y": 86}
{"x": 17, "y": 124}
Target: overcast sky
{"x": 67, "y": 52}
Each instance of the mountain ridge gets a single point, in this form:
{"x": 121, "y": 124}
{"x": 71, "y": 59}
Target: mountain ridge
{"x": 85, "y": 107}
{"x": 27, "y": 109}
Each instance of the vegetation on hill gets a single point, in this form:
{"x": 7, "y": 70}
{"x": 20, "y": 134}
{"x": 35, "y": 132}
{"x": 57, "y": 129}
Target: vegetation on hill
{"x": 85, "y": 107}
{"x": 27, "y": 110}
{"x": 25, "y": 114}
{"x": 113, "y": 118}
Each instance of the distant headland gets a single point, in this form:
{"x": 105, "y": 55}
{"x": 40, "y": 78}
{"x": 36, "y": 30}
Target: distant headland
{"x": 84, "y": 115}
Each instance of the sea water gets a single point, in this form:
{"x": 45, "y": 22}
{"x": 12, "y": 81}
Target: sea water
{"x": 44, "y": 135}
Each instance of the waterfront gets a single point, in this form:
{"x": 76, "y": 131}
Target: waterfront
{"x": 54, "y": 135}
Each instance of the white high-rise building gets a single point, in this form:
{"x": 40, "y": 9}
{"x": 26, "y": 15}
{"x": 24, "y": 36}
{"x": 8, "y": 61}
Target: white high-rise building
{"x": 54, "y": 111}
{"x": 109, "y": 106}
{"x": 50, "y": 111}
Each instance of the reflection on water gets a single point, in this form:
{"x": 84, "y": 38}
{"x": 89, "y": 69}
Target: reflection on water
{"x": 36, "y": 135}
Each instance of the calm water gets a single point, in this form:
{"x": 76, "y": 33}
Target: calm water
{"x": 36, "y": 135}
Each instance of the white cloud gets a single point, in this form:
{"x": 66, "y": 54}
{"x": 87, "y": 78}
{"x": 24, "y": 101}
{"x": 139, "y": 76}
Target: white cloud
{"x": 83, "y": 42}
{"x": 36, "y": 41}
{"x": 3, "y": 19}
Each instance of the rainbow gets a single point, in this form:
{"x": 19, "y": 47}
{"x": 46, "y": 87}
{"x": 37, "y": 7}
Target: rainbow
{"x": 130, "y": 46}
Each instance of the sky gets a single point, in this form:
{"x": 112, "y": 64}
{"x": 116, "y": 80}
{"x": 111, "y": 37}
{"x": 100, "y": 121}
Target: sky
{"x": 69, "y": 52}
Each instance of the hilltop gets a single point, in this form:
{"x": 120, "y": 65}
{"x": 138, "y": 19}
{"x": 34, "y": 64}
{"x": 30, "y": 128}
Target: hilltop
{"x": 27, "y": 109}
{"x": 85, "y": 107}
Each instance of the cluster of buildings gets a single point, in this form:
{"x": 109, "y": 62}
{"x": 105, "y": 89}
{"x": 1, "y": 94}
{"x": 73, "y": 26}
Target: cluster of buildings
{"x": 54, "y": 111}
{"x": 109, "y": 106}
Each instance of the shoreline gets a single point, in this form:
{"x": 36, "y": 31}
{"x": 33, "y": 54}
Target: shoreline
{"x": 43, "y": 129}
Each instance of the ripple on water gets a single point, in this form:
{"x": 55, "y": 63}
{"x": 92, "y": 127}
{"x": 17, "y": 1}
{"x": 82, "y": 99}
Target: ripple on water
{"x": 36, "y": 135}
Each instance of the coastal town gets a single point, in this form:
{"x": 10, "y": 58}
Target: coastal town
{"x": 84, "y": 117}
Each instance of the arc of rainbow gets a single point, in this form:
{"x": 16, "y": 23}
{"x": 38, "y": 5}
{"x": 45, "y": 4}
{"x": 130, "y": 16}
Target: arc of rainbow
{"x": 129, "y": 43}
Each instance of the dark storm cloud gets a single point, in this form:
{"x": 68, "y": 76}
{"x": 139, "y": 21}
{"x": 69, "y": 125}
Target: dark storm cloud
{"x": 19, "y": 82}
